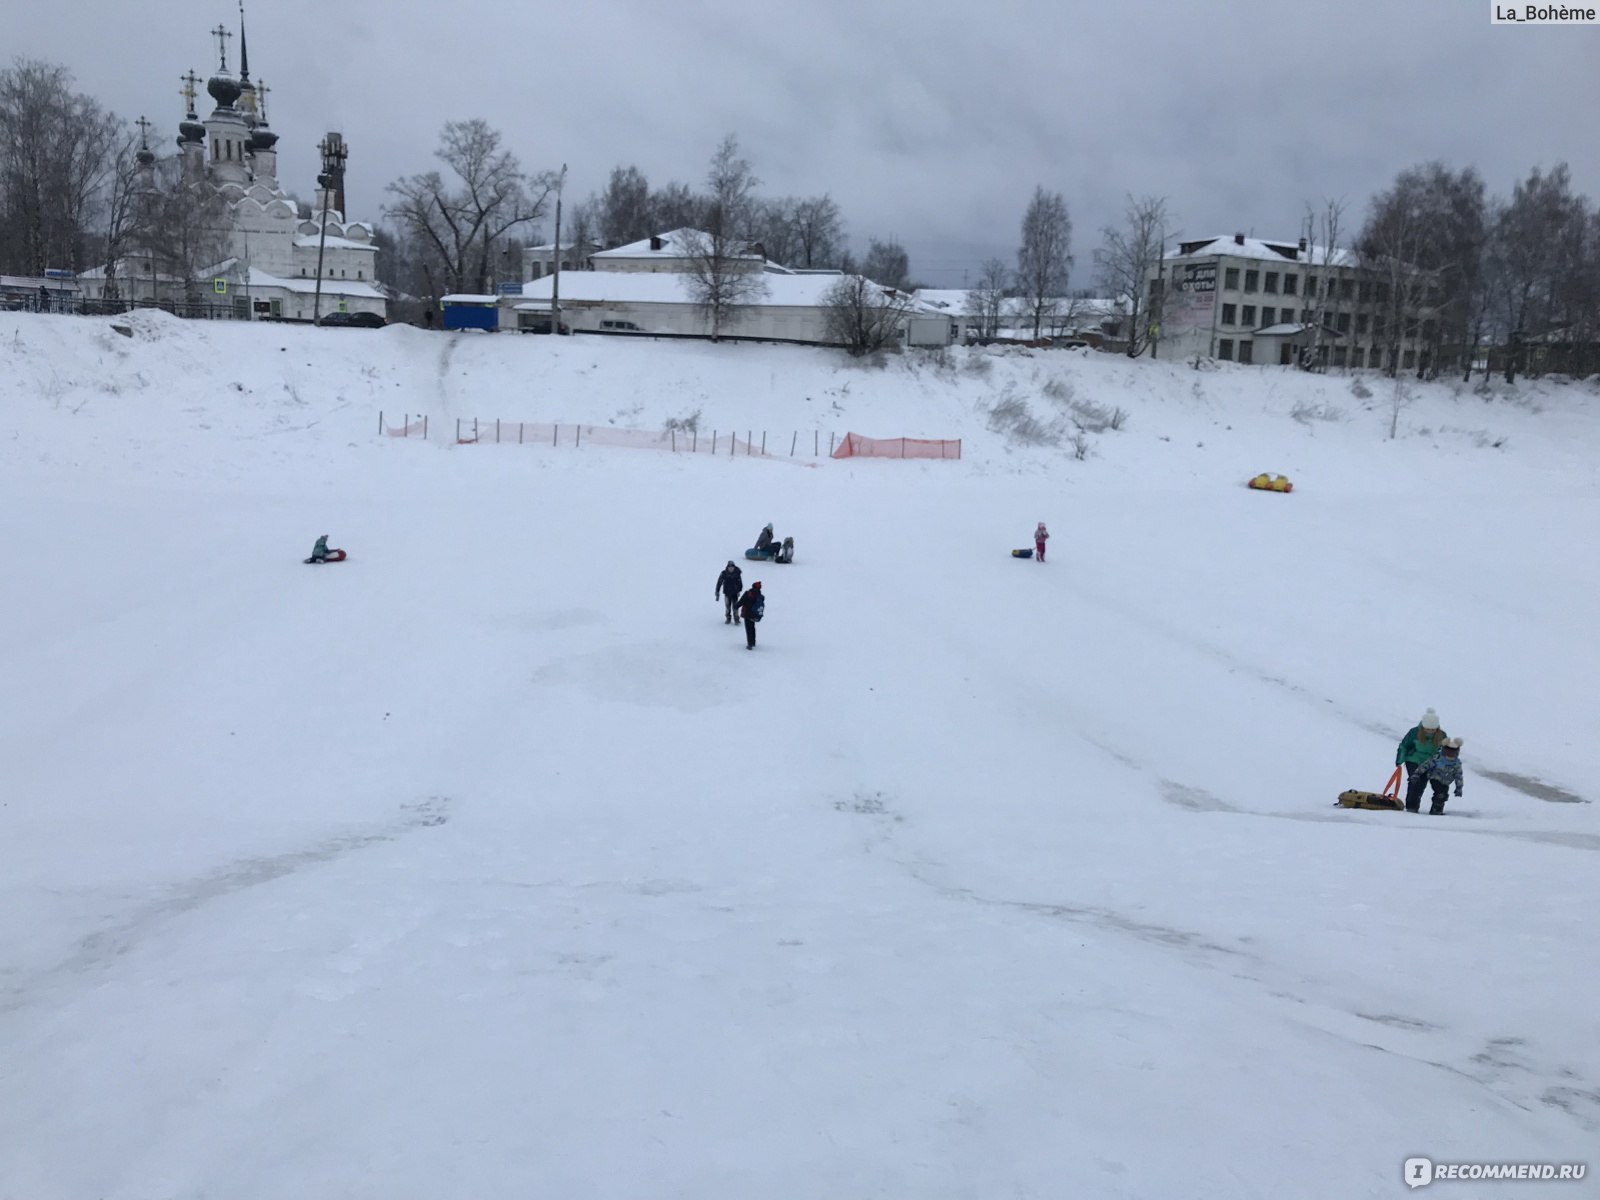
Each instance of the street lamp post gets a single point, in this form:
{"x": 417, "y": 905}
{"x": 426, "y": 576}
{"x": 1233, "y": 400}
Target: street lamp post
{"x": 333, "y": 157}
{"x": 555, "y": 282}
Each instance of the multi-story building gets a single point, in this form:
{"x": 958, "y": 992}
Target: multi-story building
{"x": 1243, "y": 299}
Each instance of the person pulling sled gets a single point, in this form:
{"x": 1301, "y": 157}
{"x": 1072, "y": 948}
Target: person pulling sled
{"x": 752, "y": 606}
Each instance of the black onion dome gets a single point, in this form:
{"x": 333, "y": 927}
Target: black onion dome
{"x": 224, "y": 89}
{"x": 262, "y": 138}
{"x": 145, "y": 156}
{"x": 191, "y": 131}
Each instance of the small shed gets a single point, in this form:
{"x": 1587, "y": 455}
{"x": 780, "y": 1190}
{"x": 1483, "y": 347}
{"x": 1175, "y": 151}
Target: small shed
{"x": 465, "y": 310}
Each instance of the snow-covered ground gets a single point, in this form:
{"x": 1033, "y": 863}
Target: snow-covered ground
{"x": 490, "y": 864}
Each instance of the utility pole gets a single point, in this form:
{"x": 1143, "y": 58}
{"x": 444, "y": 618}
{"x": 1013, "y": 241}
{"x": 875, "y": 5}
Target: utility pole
{"x": 333, "y": 156}
{"x": 555, "y": 283}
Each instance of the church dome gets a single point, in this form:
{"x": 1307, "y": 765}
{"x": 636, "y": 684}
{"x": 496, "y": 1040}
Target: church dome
{"x": 262, "y": 138}
{"x": 224, "y": 89}
{"x": 191, "y": 131}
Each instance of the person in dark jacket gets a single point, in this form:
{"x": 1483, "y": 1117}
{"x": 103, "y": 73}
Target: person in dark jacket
{"x": 764, "y": 538}
{"x": 729, "y": 584}
{"x": 751, "y": 607}
{"x": 1440, "y": 771}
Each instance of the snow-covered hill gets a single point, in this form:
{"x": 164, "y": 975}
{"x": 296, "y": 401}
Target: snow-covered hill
{"x": 490, "y": 863}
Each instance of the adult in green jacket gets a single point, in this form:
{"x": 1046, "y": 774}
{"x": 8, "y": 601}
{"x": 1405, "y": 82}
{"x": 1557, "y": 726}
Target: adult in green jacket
{"x": 1421, "y": 742}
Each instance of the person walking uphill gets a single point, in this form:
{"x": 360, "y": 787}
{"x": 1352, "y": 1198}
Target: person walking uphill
{"x": 729, "y": 584}
{"x": 1442, "y": 770}
{"x": 1421, "y": 742}
{"x": 752, "y": 605}
{"x": 1041, "y": 535}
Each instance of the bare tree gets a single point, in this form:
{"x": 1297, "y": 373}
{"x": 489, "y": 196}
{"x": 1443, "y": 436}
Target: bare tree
{"x": 887, "y": 263}
{"x": 863, "y": 316}
{"x": 1323, "y": 253}
{"x": 1044, "y": 260}
{"x": 819, "y": 232}
{"x": 56, "y": 148}
{"x": 986, "y": 301}
{"x": 1129, "y": 258}
{"x": 1533, "y": 242}
{"x": 773, "y": 228}
{"x": 126, "y": 209}
{"x": 720, "y": 270}
{"x": 491, "y": 197}
{"x": 188, "y": 228}
{"x": 676, "y": 206}
{"x": 623, "y": 214}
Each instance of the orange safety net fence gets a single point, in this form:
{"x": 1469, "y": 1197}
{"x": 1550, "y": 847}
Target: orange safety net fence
{"x": 856, "y": 446}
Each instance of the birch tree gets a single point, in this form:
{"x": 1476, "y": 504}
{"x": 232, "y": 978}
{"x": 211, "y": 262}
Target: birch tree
{"x": 1129, "y": 257}
{"x": 1044, "y": 259}
{"x": 719, "y": 269}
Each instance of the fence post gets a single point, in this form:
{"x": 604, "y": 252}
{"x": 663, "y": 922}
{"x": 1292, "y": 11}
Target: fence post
{"x": 577, "y": 438}
{"x": 694, "y": 440}
{"x": 497, "y": 431}
{"x": 519, "y": 433}
{"x": 424, "y": 426}
{"x": 830, "y": 445}
{"x": 793, "y": 442}
{"x": 674, "y": 434}
{"x": 555, "y": 435}
{"x": 816, "y": 442}
{"x": 474, "y": 431}
{"x": 458, "y": 431}
{"x": 763, "y": 441}
{"x": 380, "y": 422}
{"x": 713, "y": 441}
{"x": 902, "y": 447}
{"x": 749, "y": 442}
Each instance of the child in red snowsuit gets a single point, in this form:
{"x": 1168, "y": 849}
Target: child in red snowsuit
{"x": 1040, "y": 536}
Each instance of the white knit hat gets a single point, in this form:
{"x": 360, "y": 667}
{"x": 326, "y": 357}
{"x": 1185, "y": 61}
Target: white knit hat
{"x": 1430, "y": 720}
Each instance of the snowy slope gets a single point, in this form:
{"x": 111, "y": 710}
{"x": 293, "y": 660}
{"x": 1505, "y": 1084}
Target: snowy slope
{"x": 490, "y": 863}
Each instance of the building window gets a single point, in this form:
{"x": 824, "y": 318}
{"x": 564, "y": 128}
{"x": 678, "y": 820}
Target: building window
{"x": 1430, "y": 330}
{"x": 1245, "y": 355}
{"x": 1311, "y": 287}
{"x": 1250, "y": 315}
{"x": 1340, "y": 355}
{"x": 1380, "y": 325}
{"x": 1252, "y": 281}
{"x": 1409, "y": 361}
{"x": 1291, "y": 285}
{"x": 1272, "y": 282}
{"x": 360, "y": 274}
{"x": 1230, "y": 313}
{"x": 1305, "y": 316}
{"x": 1344, "y": 322}
{"x": 1269, "y": 315}
{"x": 1347, "y": 289}
{"x": 1366, "y": 291}
{"x": 1374, "y": 358}
{"x": 1225, "y": 349}
{"x": 1230, "y": 279}
{"x": 1362, "y": 323}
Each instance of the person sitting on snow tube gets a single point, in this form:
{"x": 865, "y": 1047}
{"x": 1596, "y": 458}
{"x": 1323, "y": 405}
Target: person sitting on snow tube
{"x": 764, "y": 538}
{"x": 319, "y": 552}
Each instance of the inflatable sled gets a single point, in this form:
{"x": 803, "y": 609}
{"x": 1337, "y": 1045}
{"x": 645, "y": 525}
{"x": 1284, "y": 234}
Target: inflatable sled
{"x": 1268, "y": 482}
{"x": 1022, "y": 554}
{"x": 782, "y": 553}
{"x": 1388, "y": 799}
{"x": 333, "y": 556}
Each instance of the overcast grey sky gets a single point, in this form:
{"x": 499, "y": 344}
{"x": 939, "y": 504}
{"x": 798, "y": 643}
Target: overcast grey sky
{"x": 926, "y": 120}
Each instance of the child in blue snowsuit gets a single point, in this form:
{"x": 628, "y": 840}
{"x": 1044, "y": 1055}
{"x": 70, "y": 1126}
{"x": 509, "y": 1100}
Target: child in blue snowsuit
{"x": 1442, "y": 770}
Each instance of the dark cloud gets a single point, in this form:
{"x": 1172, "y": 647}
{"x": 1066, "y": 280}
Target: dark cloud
{"x": 926, "y": 120}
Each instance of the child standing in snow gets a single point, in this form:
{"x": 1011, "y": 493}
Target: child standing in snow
{"x": 1041, "y": 535}
{"x": 1442, "y": 770}
{"x": 729, "y": 584}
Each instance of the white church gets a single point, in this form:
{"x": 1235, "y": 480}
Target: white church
{"x": 270, "y": 251}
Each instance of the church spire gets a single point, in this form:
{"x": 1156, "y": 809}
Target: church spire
{"x": 247, "y": 90}
{"x": 244, "y": 51}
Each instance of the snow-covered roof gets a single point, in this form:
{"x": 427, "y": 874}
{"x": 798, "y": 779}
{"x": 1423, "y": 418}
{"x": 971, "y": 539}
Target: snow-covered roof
{"x": 333, "y": 243}
{"x": 330, "y": 287}
{"x": 673, "y": 245}
{"x": 671, "y": 287}
{"x": 1239, "y": 246}
{"x": 1281, "y": 330}
{"x": 468, "y": 298}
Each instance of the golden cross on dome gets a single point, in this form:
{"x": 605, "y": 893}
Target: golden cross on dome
{"x": 191, "y": 84}
{"x": 222, "y": 35}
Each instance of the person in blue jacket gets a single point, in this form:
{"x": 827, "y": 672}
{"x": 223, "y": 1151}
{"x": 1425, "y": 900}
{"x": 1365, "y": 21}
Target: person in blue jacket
{"x": 1439, "y": 772}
